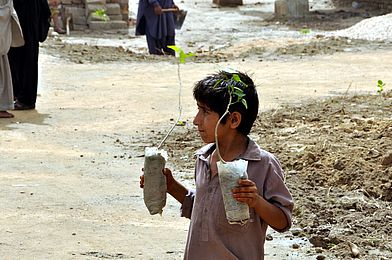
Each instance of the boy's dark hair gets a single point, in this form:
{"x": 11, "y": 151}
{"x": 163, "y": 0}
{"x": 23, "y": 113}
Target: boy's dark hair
{"x": 213, "y": 91}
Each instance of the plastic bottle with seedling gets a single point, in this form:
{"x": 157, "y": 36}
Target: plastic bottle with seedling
{"x": 155, "y": 158}
{"x": 230, "y": 172}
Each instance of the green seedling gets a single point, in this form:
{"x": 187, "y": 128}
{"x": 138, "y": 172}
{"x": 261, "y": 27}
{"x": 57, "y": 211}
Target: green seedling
{"x": 155, "y": 186}
{"x": 230, "y": 172}
{"x": 380, "y": 86}
{"x": 236, "y": 95}
{"x": 101, "y": 13}
{"x": 182, "y": 57}
{"x": 305, "y": 31}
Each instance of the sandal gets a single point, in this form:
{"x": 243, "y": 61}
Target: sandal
{"x": 5, "y": 114}
{"x": 20, "y": 106}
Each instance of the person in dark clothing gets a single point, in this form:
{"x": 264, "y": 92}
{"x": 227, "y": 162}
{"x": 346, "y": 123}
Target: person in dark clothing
{"x": 157, "y": 24}
{"x": 24, "y": 60}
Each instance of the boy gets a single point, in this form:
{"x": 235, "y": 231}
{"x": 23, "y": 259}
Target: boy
{"x": 210, "y": 235}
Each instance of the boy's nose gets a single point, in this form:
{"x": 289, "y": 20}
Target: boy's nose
{"x": 195, "y": 120}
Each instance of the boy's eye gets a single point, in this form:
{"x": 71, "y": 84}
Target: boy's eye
{"x": 204, "y": 110}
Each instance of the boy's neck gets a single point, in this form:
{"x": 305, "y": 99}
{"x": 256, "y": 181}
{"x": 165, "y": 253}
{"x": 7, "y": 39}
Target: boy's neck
{"x": 232, "y": 149}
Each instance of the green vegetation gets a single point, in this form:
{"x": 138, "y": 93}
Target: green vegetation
{"x": 182, "y": 56}
{"x": 101, "y": 13}
{"x": 380, "y": 86}
{"x": 305, "y": 31}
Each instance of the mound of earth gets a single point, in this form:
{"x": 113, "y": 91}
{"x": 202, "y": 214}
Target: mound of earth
{"x": 337, "y": 155}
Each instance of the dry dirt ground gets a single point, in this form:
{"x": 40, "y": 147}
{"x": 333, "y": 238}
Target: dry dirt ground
{"x": 69, "y": 170}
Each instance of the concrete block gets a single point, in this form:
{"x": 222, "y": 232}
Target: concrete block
{"x": 98, "y": 2}
{"x": 298, "y": 8}
{"x": 281, "y": 8}
{"x": 117, "y": 17}
{"x": 118, "y": 24}
{"x": 113, "y": 9}
{"x": 74, "y": 11}
{"x": 82, "y": 20}
{"x": 80, "y": 27}
{"x": 228, "y": 2}
{"x": 98, "y": 25}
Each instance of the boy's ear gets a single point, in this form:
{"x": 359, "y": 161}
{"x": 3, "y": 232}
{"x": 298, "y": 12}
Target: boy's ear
{"x": 235, "y": 119}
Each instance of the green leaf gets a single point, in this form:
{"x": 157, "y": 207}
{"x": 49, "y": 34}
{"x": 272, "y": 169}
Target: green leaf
{"x": 239, "y": 92}
{"x": 174, "y": 48}
{"x": 236, "y": 78}
{"x": 244, "y": 103}
{"x": 305, "y": 31}
{"x": 182, "y": 56}
{"x": 217, "y": 83}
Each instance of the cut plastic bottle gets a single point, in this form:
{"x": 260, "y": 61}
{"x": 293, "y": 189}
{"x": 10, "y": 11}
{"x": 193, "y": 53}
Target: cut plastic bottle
{"x": 154, "y": 191}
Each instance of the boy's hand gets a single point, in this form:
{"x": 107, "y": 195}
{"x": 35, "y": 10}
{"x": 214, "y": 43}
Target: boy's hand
{"x": 142, "y": 181}
{"x": 246, "y": 192}
{"x": 169, "y": 179}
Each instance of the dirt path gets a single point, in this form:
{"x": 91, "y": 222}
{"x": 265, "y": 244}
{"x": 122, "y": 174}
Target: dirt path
{"x": 69, "y": 190}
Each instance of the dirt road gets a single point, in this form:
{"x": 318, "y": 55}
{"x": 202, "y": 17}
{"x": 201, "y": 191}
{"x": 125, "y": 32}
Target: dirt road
{"x": 69, "y": 191}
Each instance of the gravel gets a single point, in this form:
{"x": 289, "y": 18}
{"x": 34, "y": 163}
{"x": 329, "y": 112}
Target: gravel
{"x": 377, "y": 28}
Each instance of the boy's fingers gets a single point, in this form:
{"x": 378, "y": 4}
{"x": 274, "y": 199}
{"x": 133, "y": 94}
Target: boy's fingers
{"x": 246, "y": 182}
{"x": 166, "y": 171}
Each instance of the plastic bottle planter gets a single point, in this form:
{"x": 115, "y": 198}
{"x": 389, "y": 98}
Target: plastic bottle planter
{"x": 154, "y": 191}
{"x": 229, "y": 174}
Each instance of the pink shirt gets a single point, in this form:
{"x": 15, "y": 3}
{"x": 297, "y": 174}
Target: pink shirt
{"x": 210, "y": 236}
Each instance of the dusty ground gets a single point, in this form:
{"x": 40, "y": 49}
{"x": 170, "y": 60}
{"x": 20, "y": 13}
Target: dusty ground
{"x": 70, "y": 168}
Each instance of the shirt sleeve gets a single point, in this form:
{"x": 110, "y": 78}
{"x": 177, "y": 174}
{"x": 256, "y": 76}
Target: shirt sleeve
{"x": 277, "y": 193}
{"x": 187, "y": 205}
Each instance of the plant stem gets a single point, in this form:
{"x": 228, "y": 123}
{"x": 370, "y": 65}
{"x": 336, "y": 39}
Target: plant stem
{"x": 216, "y": 129}
{"x": 179, "y": 107}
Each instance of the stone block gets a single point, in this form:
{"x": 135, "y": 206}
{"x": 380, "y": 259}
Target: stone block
{"x": 228, "y": 2}
{"x": 281, "y": 8}
{"x": 79, "y": 27}
{"x": 98, "y": 25}
{"x": 82, "y": 20}
{"x": 298, "y": 8}
{"x": 118, "y": 24}
{"x": 74, "y": 11}
{"x": 116, "y": 17}
{"x": 113, "y": 9}
{"x": 98, "y": 2}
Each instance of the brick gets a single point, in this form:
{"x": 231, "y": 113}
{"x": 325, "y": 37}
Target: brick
{"x": 113, "y": 9}
{"x": 97, "y": 25}
{"x": 118, "y": 24}
{"x": 116, "y": 17}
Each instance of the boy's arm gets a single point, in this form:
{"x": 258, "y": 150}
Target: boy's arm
{"x": 271, "y": 214}
{"x": 177, "y": 191}
{"x": 174, "y": 188}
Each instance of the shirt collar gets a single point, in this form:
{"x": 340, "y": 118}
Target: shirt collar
{"x": 252, "y": 153}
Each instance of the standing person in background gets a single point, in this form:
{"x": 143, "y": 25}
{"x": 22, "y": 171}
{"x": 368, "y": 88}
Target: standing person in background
{"x": 157, "y": 25}
{"x": 34, "y": 17}
{"x": 54, "y": 10}
{"x": 10, "y": 35}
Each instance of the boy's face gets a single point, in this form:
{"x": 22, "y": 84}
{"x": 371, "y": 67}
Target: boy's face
{"x": 206, "y": 120}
